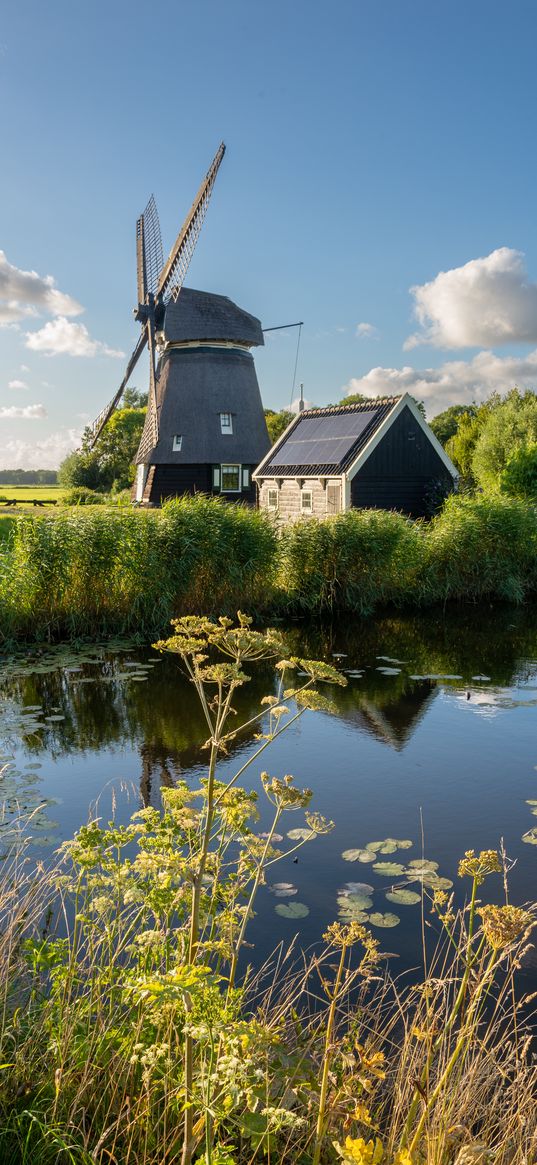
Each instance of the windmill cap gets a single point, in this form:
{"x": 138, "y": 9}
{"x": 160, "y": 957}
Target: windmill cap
{"x": 201, "y": 315}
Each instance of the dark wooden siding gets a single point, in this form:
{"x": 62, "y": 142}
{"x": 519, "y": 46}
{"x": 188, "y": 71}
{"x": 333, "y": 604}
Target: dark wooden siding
{"x": 401, "y": 471}
{"x": 171, "y": 481}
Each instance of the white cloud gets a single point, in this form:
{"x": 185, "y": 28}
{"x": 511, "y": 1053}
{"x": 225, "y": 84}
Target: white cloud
{"x": 60, "y": 337}
{"x": 294, "y": 407}
{"x": 44, "y": 454}
{"x": 486, "y": 302}
{"x": 25, "y": 293}
{"x": 17, "y": 384}
{"x": 26, "y": 413}
{"x": 454, "y": 382}
{"x": 24, "y": 368}
{"x": 366, "y": 331}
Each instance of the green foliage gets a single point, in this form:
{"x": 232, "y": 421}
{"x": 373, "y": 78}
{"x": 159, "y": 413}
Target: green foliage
{"x": 519, "y": 478}
{"x": 110, "y": 464}
{"x": 354, "y": 561}
{"x": 80, "y": 469}
{"x": 82, "y": 496}
{"x": 445, "y": 425}
{"x": 277, "y": 422}
{"x": 509, "y": 426}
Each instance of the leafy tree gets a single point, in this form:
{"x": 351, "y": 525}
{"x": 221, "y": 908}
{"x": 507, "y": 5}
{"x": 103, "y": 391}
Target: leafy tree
{"x": 80, "y": 468}
{"x": 132, "y": 399}
{"x": 277, "y": 422}
{"x": 445, "y": 424}
{"x": 519, "y": 478}
{"x": 510, "y": 425}
{"x": 110, "y": 464}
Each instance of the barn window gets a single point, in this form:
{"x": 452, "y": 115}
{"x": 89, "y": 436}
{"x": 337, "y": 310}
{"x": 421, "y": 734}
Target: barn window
{"x": 226, "y": 423}
{"x": 306, "y": 501}
{"x": 272, "y": 499}
{"x": 246, "y": 478}
{"x": 231, "y": 479}
{"x": 177, "y": 443}
{"x": 216, "y": 477}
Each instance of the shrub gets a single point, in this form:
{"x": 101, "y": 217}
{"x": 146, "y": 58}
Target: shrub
{"x": 519, "y": 478}
{"x": 80, "y": 495}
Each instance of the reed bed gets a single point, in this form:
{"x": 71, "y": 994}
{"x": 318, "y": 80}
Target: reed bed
{"x": 83, "y": 573}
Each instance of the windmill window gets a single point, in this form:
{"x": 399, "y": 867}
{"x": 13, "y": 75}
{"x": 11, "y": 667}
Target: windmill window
{"x": 226, "y": 423}
{"x": 306, "y": 501}
{"x": 231, "y": 479}
{"x": 216, "y": 477}
{"x": 246, "y": 479}
{"x": 177, "y": 443}
{"x": 272, "y": 499}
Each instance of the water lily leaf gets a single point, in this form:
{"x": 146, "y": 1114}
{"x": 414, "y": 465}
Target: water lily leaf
{"x": 275, "y": 836}
{"x": 339, "y": 655}
{"x": 423, "y": 864}
{"x": 357, "y": 888}
{"x": 389, "y": 671}
{"x": 301, "y": 834}
{"x": 51, "y": 719}
{"x": 292, "y": 909}
{"x": 531, "y": 802}
{"x": 355, "y": 901}
{"x": 385, "y": 920}
{"x": 389, "y": 659}
{"x": 481, "y": 679}
{"x": 403, "y": 897}
{"x": 358, "y": 855}
{"x": 388, "y": 846}
{"x": 530, "y": 837}
{"x": 349, "y": 914}
{"x": 283, "y": 889}
{"x": 389, "y": 869}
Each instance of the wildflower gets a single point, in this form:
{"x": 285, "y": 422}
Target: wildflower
{"x": 345, "y": 936}
{"x": 282, "y": 793}
{"x": 403, "y": 1157}
{"x": 318, "y": 823}
{"x": 503, "y": 924}
{"x": 356, "y": 1151}
{"x": 488, "y": 862}
{"x": 362, "y": 1113}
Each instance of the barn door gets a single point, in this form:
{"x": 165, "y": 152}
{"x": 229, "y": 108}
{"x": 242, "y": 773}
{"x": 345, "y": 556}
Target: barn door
{"x": 333, "y": 498}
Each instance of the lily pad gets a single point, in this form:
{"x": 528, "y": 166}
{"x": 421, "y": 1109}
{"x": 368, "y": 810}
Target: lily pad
{"x": 355, "y": 901}
{"x": 389, "y": 659}
{"x": 389, "y": 869}
{"x": 389, "y": 671}
{"x": 530, "y": 837}
{"x": 292, "y": 909}
{"x": 357, "y": 888}
{"x": 301, "y": 834}
{"x": 423, "y": 864}
{"x": 358, "y": 855}
{"x": 384, "y": 920}
{"x": 275, "y": 836}
{"x": 403, "y": 897}
{"x": 389, "y": 845}
{"x": 352, "y": 914}
{"x": 51, "y": 719}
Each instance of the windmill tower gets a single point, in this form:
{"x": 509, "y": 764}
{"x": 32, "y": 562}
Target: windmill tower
{"x": 205, "y": 427}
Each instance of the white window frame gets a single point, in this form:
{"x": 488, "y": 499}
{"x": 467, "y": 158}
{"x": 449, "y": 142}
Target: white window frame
{"x": 246, "y": 477}
{"x": 273, "y": 505}
{"x": 226, "y": 425}
{"x": 216, "y": 477}
{"x": 306, "y": 491}
{"x": 232, "y": 465}
{"x": 177, "y": 443}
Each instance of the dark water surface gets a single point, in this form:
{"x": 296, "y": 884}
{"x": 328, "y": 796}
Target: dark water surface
{"x": 453, "y": 759}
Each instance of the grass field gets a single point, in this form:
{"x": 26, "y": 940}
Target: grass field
{"x": 24, "y": 493}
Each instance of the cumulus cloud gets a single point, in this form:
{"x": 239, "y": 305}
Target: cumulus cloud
{"x": 454, "y": 382}
{"x": 25, "y": 293}
{"x": 366, "y": 331}
{"x": 295, "y": 406}
{"x": 45, "y": 454}
{"x": 26, "y": 413}
{"x": 60, "y": 337}
{"x": 486, "y": 302}
{"x": 17, "y": 384}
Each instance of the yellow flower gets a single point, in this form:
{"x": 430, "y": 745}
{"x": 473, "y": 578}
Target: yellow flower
{"x": 362, "y": 1113}
{"x": 356, "y": 1151}
{"x": 403, "y": 1157}
{"x": 503, "y": 924}
{"x": 488, "y": 862}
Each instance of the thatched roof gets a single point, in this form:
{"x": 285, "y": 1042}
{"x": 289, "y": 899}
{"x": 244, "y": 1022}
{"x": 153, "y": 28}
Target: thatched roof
{"x": 200, "y": 315}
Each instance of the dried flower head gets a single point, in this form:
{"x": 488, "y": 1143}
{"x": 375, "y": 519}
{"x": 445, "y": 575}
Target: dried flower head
{"x": 503, "y": 924}
{"x": 488, "y": 862}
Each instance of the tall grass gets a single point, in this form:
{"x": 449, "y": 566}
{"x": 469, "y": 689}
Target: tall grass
{"x": 80, "y": 573}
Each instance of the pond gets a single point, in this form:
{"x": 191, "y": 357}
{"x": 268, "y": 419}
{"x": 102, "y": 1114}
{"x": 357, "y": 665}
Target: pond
{"x": 434, "y": 743}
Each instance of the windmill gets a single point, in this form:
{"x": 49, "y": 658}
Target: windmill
{"x": 205, "y": 428}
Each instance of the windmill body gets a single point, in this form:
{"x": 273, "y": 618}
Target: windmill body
{"x": 205, "y": 428}
{"x": 211, "y": 425}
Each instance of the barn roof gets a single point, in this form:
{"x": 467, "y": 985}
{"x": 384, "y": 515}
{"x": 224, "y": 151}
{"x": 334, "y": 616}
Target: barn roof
{"x": 201, "y": 315}
{"x": 326, "y": 441}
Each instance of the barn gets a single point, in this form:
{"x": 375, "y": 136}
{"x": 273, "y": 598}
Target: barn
{"x": 379, "y": 454}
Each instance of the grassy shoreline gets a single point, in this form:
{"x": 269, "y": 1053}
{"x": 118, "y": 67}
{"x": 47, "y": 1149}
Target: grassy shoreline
{"x": 77, "y": 573}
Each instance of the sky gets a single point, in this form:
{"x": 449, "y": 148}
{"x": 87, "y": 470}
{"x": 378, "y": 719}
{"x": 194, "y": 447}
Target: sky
{"x": 378, "y": 184}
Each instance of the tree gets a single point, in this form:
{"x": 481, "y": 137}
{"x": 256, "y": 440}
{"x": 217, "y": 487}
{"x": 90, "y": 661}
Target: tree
{"x": 80, "y": 468}
{"x": 110, "y": 464}
{"x": 511, "y": 425}
{"x": 519, "y": 478}
{"x": 277, "y": 422}
{"x": 445, "y": 424}
{"x": 132, "y": 399}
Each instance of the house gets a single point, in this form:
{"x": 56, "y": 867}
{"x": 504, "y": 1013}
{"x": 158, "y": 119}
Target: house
{"x": 380, "y": 454}
{"x": 211, "y": 431}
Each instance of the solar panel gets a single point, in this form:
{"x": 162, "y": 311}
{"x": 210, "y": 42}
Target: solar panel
{"x": 323, "y": 440}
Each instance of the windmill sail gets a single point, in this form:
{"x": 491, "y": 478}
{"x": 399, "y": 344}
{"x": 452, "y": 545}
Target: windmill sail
{"x": 173, "y": 274}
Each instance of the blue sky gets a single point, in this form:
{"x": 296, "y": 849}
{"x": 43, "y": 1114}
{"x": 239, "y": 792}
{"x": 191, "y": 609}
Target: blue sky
{"x": 371, "y": 146}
